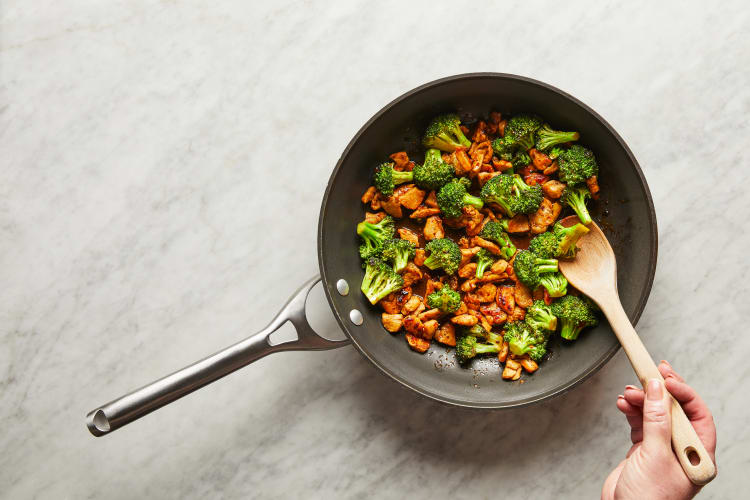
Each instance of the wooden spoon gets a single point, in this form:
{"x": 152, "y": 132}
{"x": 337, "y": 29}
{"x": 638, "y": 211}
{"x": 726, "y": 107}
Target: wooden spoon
{"x": 594, "y": 272}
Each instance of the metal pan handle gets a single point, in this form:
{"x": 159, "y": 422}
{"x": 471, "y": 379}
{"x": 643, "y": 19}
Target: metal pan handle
{"x": 140, "y": 402}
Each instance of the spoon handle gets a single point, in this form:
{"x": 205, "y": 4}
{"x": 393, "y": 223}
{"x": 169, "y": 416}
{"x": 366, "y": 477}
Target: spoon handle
{"x": 695, "y": 460}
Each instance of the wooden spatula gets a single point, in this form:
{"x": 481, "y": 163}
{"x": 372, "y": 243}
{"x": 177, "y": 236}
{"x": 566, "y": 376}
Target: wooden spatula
{"x": 594, "y": 272}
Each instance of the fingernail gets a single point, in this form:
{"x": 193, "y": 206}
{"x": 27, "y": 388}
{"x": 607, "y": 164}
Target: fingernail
{"x": 654, "y": 391}
{"x": 631, "y": 387}
{"x": 620, "y": 396}
{"x": 666, "y": 363}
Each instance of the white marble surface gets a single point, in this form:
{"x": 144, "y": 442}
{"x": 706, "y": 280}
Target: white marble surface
{"x": 140, "y": 143}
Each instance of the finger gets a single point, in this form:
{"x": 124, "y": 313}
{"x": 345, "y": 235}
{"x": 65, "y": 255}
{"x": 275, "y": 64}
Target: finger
{"x": 608, "y": 490}
{"x": 666, "y": 370}
{"x": 697, "y": 412}
{"x": 632, "y": 449}
{"x": 634, "y": 416}
{"x": 657, "y": 424}
{"x": 634, "y": 396}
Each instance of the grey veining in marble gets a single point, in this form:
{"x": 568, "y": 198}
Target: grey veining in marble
{"x": 140, "y": 145}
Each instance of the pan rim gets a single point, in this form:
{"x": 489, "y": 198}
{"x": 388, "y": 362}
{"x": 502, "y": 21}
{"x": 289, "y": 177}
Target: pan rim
{"x": 563, "y": 388}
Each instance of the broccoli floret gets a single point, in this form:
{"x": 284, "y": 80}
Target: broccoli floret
{"x": 520, "y": 131}
{"x": 544, "y": 245}
{"x": 555, "y": 283}
{"x": 539, "y": 316}
{"x": 503, "y": 149}
{"x": 567, "y": 237}
{"x": 576, "y": 164}
{"x": 495, "y": 231}
{"x": 444, "y": 253}
{"x": 386, "y": 178}
{"x": 434, "y": 172}
{"x": 468, "y": 347}
{"x": 374, "y": 235}
{"x": 555, "y": 152}
{"x": 398, "y": 252}
{"x": 574, "y": 314}
{"x": 499, "y": 189}
{"x": 523, "y": 339}
{"x": 484, "y": 260}
{"x": 380, "y": 280}
{"x": 446, "y": 299}
{"x": 444, "y": 133}
{"x": 526, "y": 199}
{"x": 529, "y": 268}
{"x": 576, "y": 197}
{"x": 520, "y": 160}
{"x": 453, "y": 197}
{"x": 546, "y": 137}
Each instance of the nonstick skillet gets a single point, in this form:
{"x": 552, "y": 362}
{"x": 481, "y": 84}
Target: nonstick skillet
{"x": 625, "y": 211}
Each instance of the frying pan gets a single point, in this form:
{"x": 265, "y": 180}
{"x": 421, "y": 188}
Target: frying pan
{"x": 625, "y": 211}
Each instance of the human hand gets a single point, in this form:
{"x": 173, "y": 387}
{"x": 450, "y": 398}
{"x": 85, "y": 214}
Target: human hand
{"x": 651, "y": 469}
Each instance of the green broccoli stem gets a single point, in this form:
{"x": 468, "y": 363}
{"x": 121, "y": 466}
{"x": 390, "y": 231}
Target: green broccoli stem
{"x": 508, "y": 251}
{"x": 402, "y": 177}
{"x": 569, "y": 330}
{"x": 554, "y": 137}
{"x": 481, "y": 266}
{"x": 400, "y": 262}
{"x": 369, "y": 231}
{"x": 578, "y": 203}
{"x": 474, "y": 201}
{"x": 546, "y": 265}
{"x": 485, "y": 348}
{"x": 432, "y": 262}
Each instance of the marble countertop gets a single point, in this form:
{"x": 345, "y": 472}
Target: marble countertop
{"x": 141, "y": 143}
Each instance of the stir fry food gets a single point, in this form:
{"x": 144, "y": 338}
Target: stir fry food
{"x": 462, "y": 249}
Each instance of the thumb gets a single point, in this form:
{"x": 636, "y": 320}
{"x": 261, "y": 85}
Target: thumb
{"x": 657, "y": 422}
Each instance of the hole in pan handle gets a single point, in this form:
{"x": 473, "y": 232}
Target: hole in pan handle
{"x": 122, "y": 411}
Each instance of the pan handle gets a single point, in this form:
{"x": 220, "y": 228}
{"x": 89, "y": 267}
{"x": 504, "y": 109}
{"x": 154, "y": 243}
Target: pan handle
{"x": 140, "y": 402}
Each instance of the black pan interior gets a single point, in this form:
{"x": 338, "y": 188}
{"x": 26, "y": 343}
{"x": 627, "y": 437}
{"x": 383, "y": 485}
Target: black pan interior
{"x": 625, "y": 213}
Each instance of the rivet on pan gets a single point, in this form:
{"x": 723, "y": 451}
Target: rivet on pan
{"x": 343, "y": 287}
{"x": 356, "y": 317}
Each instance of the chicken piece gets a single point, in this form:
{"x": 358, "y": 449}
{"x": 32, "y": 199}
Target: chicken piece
{"x": 419, "y": 256}
{"x": 472, "y": 220}
{"x": 501, "y": 165}
{"x": 423, "y": 211}
{"x": 539, "y": 159}
{"x": 428, "y": 329}
{"x": 512, "y": 370}
{"x": 463, "y": 242}
{"x": 374, "y": 218}
{"x": 469, "y": 285}
{"x": 431, "y": 200}
{"x": 392, "y": 206}
{"x": 523, "y": 295}
{"x": 499, "y": 266}
{"x": 430, "y": 314}
{"x": 505, "y": 298}
{"x": 454, "y": 222}
{"x": 553, "y": 189}
{"x": 465, "y": 320}
{"x": 462, "y": 309}
{"x": 538, "y": 293}
{"x": 502, "y": 354}
{"x": 431, "y": 285}
{"x": 480, "y": 134}
{"x": 493, "y": 313}
{"x": 535, "y": 178}
{"x": 390, "y": 303}
{"x": 468, "y": 270}
{"x": 485, "y": 324}
{"x": 483, "y": 177}
{"x": 392, "y": 322}
{"x": 467, "y": 254}
{"x": 551, "y": 169}
{"x": 488, "y": 245}
{"x": 416, "y": 343}
{"x": 412, "y": 324}
{"x": 462, "y": 162}
{"x": 472, "y": 301}
{"x": 542, "y": 218}
{"x": 400, "y": 160}
{"x": 433, "y": 228}
{"x": 501, "y": 127}
{"x": 420, "y": 309}
{"x": 518, "y": 314}
{"x": 451, "y": 281}
{"x": 401, "y": 190}
{"x": 375, "y": 203}
{"x": 486, "y": 292}
{"x": 411, "y": 274}
{"x": 492, "y": 277}
{"x": 446, "y": 334}
{"x": 528, "y": 364}
{"x": 403, "y": 296}
{"x": 409, "y": 235}
{"x": 593, "y": 185}
{"x": 412, "y": 198}
{"x": 369, "y": 195}
{"x": 495, "y": 117}
{"x": 411, "y": 305}
{"x": 519, "y": 224}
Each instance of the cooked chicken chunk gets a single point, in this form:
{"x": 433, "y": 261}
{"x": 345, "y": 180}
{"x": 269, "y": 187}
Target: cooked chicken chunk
{"x": 392, "y": 322}
{"x": 433, "y": 228}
